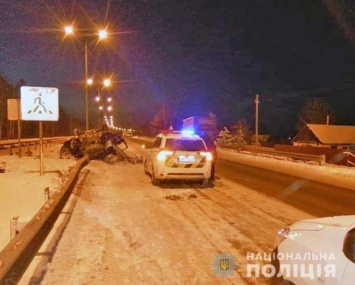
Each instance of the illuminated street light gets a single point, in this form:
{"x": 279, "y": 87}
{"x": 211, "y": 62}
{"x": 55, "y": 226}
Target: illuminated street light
{"x": 107, "y": 82}
{"x": 102, "y": 34}
{"x": 101, "y": 85}
{"x": 90, "y": 81}
{"x": 69, "y": 30}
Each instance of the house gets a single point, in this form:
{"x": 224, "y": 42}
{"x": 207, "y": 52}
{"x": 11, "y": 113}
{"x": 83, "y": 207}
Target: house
{"x": 332, "y": 136}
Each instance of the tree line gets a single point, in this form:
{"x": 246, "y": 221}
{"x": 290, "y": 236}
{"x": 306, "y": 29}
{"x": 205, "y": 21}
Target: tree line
{"x": 314, "y": 111}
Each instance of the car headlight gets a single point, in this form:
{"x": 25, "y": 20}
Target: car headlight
{"x": 282, "y": 234}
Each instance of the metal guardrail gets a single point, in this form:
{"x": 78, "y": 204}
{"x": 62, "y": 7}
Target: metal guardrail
{"x": 273, "y": 153}
{"x": 261, "y": 151}
{"x": 349, "y": 154}
{"x": 11, "y": 144}
{"x": 19, "y": 252}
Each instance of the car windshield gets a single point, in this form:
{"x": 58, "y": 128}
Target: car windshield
{"x": 185, "y": 144}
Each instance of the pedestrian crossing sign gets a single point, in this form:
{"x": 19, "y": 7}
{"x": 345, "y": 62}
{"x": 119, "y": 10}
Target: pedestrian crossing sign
{"x": 39, "y": 103}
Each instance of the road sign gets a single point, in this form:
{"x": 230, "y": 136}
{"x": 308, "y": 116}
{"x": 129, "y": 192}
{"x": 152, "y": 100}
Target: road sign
{"x": 13, "y": 107}
{"x": 39, "y": 103}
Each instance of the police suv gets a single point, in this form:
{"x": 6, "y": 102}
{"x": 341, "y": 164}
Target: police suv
{"x": 317, "y": 251}
{"x": 178, "y": 156}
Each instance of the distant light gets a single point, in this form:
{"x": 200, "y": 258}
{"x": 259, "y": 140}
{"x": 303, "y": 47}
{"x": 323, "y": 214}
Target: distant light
{"x": 109, "y": 99}
{"x": 97, "y": 98}
{"x": 90, "y": 81}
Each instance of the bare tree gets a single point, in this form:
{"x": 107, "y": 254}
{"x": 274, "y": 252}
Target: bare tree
{"x": 162, "y": 120}
{"x": 7, "y": 91}
{"x": 315, "y": 111}
{"x": 241, "y": 133}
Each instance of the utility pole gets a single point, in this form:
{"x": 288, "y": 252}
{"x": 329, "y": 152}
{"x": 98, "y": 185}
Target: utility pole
{"x": 257, "y": 120}
{"x": 86, "y": 88}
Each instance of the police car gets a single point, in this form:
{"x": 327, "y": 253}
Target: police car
{"x": 317, "y": 251}
{"x": 178, "y": 156}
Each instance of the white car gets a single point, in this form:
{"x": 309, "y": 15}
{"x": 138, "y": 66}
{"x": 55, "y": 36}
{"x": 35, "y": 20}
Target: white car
{"x": 318, "y": 251}
{"x": 178, "y": 156}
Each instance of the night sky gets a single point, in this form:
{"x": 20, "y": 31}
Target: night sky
{"x": 194, "y": 56}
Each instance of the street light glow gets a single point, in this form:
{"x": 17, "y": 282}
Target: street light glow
{"x": 102, "y": 34}
{"x": 68, "y": 30}
{"x": 109, "y": 99}
{"x": 97, "y": 98}
{"x": 107, "y": 82}
{"x": 109, "y": 108}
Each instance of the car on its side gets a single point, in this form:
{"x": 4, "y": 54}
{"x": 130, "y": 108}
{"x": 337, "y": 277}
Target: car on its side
{"x": 178, "y": 156}
{"x": 317, "y": 251}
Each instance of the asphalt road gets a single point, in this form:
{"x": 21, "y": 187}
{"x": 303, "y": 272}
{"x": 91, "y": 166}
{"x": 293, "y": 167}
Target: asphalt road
{"x": 312, "y": 197}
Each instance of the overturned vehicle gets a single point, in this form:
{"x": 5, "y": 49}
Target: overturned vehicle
{"x": 97, "y": 144}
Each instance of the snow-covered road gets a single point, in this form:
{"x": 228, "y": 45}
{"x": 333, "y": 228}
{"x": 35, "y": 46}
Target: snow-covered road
{"x": 123, "y": 230}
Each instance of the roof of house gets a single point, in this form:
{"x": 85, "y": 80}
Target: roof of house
{"x": 333, "y": 134}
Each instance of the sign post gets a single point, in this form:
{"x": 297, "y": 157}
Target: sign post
{"x": 39, "y": 104}
{"x": 14, "y": 114}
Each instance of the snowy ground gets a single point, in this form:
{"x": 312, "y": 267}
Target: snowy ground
{"x": 22, "y": 187}
{"x": 123, "y": 230}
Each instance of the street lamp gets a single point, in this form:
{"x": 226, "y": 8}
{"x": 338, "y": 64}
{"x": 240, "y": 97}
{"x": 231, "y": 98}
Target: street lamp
{"x": 102, "y": 34}
{"x": 104, "y": 107}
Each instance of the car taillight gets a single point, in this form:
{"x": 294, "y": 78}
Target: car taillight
{"x": 163, "y": 154}
{"x": 206, "y": 154}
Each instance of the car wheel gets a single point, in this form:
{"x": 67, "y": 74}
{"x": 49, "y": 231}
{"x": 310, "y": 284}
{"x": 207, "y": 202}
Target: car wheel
{"x": 204, "y": 182}
{"x": 145, "y": 168}
{"x": 155, "y": 181}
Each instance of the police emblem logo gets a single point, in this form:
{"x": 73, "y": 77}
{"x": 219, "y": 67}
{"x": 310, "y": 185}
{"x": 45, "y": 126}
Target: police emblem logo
{"x": 224, "y": 265}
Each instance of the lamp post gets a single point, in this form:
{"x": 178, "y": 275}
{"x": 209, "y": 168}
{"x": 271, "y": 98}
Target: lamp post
{"x": 102, "y": 34}
{"x": 86, "y": 88}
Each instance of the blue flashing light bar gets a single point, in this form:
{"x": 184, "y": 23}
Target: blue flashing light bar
{"x": 188, "y": 132}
